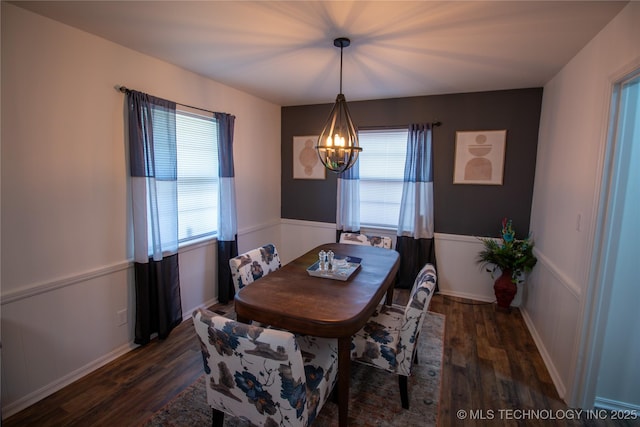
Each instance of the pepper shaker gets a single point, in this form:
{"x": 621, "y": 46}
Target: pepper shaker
{"x": 330, "y": 256}
{"x": 322, "y": 256}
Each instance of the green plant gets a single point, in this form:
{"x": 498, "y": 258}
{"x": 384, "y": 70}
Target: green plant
{"x": 508, "y": 253}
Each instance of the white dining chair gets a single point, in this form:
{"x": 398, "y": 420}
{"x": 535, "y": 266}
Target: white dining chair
{"x": 367, "y": 240}
{"x": 389, "y": 339}
{"x": 254, "y": 264}
{"x": 265, "y": 377}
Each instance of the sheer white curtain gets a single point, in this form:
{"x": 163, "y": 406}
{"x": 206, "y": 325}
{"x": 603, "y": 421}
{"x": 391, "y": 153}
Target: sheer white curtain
{"x": 348, "y": 202}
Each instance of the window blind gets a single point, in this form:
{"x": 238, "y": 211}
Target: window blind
{"x": 381, "y": 176}
{"x": 197, "y": 151}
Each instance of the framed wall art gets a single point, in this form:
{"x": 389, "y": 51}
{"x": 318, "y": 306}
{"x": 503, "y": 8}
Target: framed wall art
{"x": 306, "y": 163}
{"x": 479, "y": 157}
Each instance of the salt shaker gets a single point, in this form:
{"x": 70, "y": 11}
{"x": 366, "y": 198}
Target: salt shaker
{"x": 322, "y": 256}
{"x": 330, "y": 255}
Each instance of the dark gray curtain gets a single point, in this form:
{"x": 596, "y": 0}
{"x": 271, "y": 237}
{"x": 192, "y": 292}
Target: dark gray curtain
{"x": 227, "y": 223}
{"x": 415, "y": 241}
{"x": 153, "y": 169}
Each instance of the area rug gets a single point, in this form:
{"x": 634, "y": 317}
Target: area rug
{"x": 373, "y": 402}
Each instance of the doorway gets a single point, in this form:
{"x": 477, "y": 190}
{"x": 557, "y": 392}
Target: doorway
{"x": 609, "y": 377}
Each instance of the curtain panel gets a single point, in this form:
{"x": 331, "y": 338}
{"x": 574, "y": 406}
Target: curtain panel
{"x": 227, "y": 222}
{"x": 153, "y": 170}
{"x": 348, "y": 201}
{"x": 415, "y": 241}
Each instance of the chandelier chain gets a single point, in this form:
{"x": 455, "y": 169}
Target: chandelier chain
{"x": 341, "y": 68}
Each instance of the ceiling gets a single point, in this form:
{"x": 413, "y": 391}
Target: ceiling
{"x": 283, "y": 52}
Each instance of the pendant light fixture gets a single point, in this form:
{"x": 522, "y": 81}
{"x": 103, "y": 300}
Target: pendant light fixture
{"x": 338, "y": 142}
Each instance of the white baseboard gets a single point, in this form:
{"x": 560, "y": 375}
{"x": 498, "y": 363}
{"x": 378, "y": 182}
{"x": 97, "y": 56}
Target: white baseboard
{"x": 466, "y": 295}
{"x": 548, "y": 361}
{"x": 37, "y": 395}
{"x": 186, "y": 315}
{"x": 621, "y": 407}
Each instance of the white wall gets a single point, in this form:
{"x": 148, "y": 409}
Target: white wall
{"x": 571, "y": 147}
{"x": 65, "y": 202}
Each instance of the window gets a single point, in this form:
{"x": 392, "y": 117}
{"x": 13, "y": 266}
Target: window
{"x": 197, "y": 152}
{"x": 381, "y": 176}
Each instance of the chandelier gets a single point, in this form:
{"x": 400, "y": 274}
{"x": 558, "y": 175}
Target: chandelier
{"x": 338, "y": 142}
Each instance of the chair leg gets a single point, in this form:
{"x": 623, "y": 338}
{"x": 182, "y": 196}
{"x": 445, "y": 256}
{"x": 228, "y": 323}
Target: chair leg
{"x": 217, "y": 419}
{"x": 404, "y": 395}
{"x": 334, "y": 395}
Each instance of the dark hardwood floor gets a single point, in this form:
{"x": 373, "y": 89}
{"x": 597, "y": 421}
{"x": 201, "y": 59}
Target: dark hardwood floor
{"x": 491, "y": 366}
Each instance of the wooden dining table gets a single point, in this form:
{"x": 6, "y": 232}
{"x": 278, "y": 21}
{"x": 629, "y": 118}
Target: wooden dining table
{"x": 290, "y": 298}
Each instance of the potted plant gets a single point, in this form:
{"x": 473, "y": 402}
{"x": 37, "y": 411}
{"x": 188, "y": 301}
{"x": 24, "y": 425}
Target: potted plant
{"x": 512, "y": 256}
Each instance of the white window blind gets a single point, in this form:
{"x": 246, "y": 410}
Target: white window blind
{"x": 381, "y": 176}
{"x": 197, "y": 152}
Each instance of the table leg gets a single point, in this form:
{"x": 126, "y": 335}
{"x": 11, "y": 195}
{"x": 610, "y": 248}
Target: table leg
{"x": 344, "y": 365}
{"x": 389, "y": 299}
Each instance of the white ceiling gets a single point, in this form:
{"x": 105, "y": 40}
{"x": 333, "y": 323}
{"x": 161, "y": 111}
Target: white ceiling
{"x": 283, "y": 51}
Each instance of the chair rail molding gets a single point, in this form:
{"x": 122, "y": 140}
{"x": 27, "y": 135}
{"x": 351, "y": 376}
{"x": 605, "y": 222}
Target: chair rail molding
{"x": 563, "y": 279}
{"x": 42, "y": 287}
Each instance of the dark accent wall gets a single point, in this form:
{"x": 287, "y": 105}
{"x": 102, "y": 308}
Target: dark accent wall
{"x": 475, "y": 210}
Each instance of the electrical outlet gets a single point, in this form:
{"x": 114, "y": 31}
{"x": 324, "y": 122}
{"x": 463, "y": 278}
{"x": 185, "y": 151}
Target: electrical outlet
{"x": 121, "y": 315}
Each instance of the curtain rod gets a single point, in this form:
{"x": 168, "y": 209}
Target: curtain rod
{"x": 434, "y": 124}
{"x": 124, "y": 89}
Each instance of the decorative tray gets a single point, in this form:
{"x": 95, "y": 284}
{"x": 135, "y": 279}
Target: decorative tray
{"x": 345, "y": 266}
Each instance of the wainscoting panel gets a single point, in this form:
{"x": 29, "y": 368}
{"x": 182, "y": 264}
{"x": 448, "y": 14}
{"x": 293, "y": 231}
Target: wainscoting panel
{"x": 260, "y": 235}
{"x": 55, "y": 333}
{"x": 52, "y": 338}
{"x": 298, "y": 237}
{"x": 551, "y": 313}
{"x": 198, "y": 277}
{"x": 458, "y": 273}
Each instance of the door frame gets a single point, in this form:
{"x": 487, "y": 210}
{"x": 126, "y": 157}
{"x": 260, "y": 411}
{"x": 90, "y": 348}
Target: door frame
{"x": 595, "y": 308}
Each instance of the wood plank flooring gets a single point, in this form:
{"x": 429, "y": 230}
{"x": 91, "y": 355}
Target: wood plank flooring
{"x": 493, "y": 372}
{"x": 491, "y": 365}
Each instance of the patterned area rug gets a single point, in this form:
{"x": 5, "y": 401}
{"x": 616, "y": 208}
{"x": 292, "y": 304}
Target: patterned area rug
{"x": 374, "y": 393}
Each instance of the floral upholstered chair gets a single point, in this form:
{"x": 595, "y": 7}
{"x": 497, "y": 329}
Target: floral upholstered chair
{"x": 389, "y": 339}
{"x": 266, "y": 377}
{"x": 252, "y": 265}
{"x": 363, "y": 239}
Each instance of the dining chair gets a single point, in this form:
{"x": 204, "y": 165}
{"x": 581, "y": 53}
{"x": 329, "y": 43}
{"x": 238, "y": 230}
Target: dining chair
{"x": 263, "y": 376}
{"x": 367, "y": 240}
{"x": 389, "y": 339}
{"x": 254, "y": 264}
